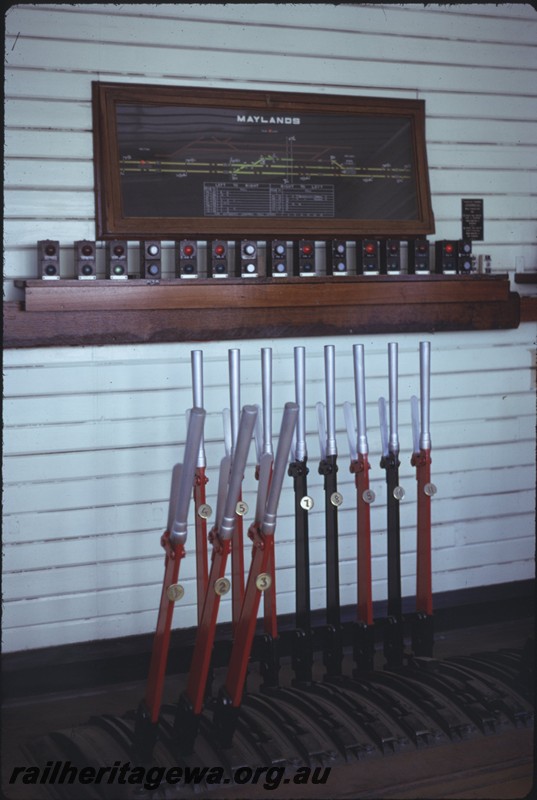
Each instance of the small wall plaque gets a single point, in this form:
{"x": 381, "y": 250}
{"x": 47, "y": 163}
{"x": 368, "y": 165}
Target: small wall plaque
{"x": 472, "y": 219}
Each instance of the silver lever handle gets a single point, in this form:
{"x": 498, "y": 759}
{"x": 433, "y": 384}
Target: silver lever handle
{"x": 321, "y": 425}
{"x": 234, "y": 360}
{"x": 393, "y": 379}
{"x": 415, "y": 415}
{"x": 289, "y": 419}
{"x": 236, "y": 475}
{"x": 348, "y": 413}
{"x": 300, "y": 390}
{"x": 228, "y": 435}
{"x": 383, "y": 421}
{"x": 425, "y": 387}
{"x": 359, "y": 388}
{"x": 330, "y": 380}
{"x": 178, "y": 528}
{"x": 266, "y": 383}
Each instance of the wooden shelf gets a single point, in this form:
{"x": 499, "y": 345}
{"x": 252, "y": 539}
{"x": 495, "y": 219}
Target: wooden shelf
{"x": 528, "y": 309}
{"x": 72, "y": 312}
{"x": 526, "y": 277}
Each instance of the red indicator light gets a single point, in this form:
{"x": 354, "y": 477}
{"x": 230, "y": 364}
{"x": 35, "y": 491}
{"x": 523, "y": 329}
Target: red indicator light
{"x": 449, "y": 248}
{"x": 307, "y": 249}
{"x": 219, "y": 250}
{"x": 188, "y": 250}
{"x": 369, "y": 249}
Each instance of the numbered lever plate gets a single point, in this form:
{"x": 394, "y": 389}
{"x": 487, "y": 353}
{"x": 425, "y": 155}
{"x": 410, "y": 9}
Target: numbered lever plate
{"x": 241, "y": 508}
{"x": 368, "y": 496}
{"x": 336, "y": 499}
{"x": 205, "y": 511}
{"x": 307, "y": 503}
{"x": 398, "y": 492}
{"x": 222, "y": 586}
{"x": 175, "y": 592}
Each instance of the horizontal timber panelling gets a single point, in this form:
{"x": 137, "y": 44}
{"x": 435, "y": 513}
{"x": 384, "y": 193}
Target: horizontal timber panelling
{"x": 91, "y": 433}
{"x": 88, "y": 473}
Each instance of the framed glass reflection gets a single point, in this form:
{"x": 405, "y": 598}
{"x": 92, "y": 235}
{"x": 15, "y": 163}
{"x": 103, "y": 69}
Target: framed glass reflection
{"x": 204, "y": 162}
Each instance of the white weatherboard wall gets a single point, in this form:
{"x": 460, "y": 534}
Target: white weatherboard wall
{"x": 91, "y": 433}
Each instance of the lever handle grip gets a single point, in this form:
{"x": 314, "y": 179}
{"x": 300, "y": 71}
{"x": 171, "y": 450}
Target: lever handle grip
{"x": 228, "y": 436}
{"x": 174, "y": 490}
{"x": 321, "y": 425}
{"x": 223, "y": 481}
{"x": 234, "y": 361}
{"x": 238, "y": 464}
{"x": 359, "y": 388}
{"x": 393, "y": 397}
{"x": 197, "y": 395}
{"x": 348, "y": 413}
{"x": 300, "y": 391}
{"x": 289, "y": 419}
{"x": 266, "y": 382}
{"x": 330, "y": 381}
{"x": 258, "y": 435}
{"x": 265, "y": 474}
{"x": 383, "y": 421}
{"x": 184, "y": 490}
{"x": 425, "y": 388}
{"x": 415, "y": 413}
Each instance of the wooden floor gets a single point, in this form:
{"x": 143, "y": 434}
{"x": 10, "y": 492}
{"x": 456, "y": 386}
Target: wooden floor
{"x": 496, "y": 766}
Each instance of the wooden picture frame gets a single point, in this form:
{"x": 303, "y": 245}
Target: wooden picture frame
{"x": 174, "y": 162}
